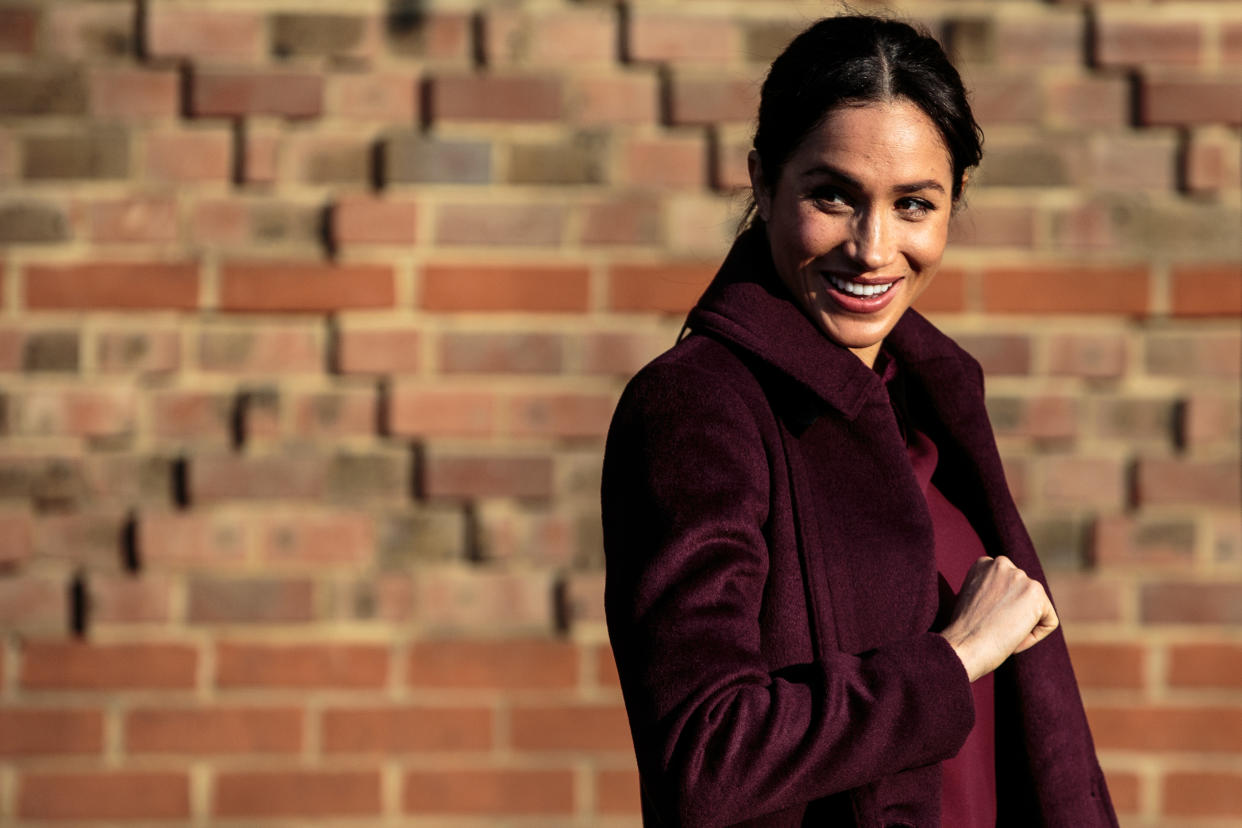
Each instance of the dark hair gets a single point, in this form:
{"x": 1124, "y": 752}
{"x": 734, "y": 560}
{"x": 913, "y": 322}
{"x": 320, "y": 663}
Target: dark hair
{"x": 856, "y": 59}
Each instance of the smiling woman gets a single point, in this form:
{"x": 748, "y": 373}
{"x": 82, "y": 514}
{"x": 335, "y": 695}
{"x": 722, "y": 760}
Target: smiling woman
{"x": 823, "y": 604}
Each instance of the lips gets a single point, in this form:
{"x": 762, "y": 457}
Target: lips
{"x": 857, "y": 296}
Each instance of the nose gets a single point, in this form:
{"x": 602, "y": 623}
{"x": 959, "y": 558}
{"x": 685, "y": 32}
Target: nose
{"x": 871, "y": 244}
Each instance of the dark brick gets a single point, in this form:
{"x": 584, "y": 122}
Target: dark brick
{"x": 31, "y": 222}
{"x": 18, "y": 28}
{"x": 43, "y": 91}
{"x": 1061, "y": 543}
{"x": 581, "y": 160}
{"x": 416, "y": 159}
{"x": 765, "y": 39}
{"x": 213, "y": 600}
{"x": 407, "y": 538}
{"x": 50, "y": 351}
{"x": 98, "y": 152}
{"x": 368, "y": 477}
{"x": 316, "y": 35}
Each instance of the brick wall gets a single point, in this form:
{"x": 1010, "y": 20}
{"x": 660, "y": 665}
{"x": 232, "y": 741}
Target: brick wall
{"x": 312, "y": 317}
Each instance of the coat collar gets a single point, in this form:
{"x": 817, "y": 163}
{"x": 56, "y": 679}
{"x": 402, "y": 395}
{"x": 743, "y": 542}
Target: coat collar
{"x": 748, "y": 306}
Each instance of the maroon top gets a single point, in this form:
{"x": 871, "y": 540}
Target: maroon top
{"x": 968, "y": 781}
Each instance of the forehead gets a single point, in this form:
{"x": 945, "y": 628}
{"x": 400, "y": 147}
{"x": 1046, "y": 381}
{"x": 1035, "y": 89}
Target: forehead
{"x": 891, "y": 139}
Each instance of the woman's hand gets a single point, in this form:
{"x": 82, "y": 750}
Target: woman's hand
{"x": 1000, "y": 611}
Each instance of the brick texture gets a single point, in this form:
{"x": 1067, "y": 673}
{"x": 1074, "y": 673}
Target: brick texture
{"x": 314, "y": 320}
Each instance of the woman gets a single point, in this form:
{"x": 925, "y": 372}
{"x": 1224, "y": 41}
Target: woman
{"x": 821, "y": 599}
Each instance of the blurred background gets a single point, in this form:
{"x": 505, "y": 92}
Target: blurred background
{"x": 312, "y": 319}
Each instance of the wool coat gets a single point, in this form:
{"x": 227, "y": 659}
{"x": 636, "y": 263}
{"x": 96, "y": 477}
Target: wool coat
{"x": 771, "y": 584}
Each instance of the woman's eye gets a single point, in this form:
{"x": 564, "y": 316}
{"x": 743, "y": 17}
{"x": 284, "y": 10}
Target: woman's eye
{"x": 829, "y": 199}
{"x": 915, "y": 207}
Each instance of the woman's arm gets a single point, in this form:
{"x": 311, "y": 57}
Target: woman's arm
{"x": 719, "y": 738}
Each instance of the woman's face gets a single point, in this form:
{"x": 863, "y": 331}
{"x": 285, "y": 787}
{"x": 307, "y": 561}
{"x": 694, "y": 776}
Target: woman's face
{"x": 859, "y": 219}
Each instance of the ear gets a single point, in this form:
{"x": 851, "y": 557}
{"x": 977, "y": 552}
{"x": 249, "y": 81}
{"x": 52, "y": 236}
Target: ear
{"x": 758, "y": 187}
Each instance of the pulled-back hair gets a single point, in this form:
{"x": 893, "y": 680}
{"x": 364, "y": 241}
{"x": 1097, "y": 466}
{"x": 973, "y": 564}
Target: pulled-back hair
{"x": 853, "y": 60}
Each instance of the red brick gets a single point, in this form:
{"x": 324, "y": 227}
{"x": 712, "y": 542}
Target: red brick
{"x": 1141, "y": 161}
{"x": 1121, "y": 42}
{"x": 249, "y": 601}
{"x": 1121, "y": 540}
{"x": 130, "y": 93}
{"x": 1088, "y": 102}
{"x": 519, "y": 225}
{"x": 1214, "y": 354}
{"x": 1160, "y": 729}
{"x": 49, "y": 732}
{"x": 379, "y": 351}
{"x": 1112, "y": 666}
{"x": 395, "y": 730}
{"x": 533, "y": 288}
{"x": 297, "y": 794}
{"x": 617, "y": 792}
{"x": 283, "y": 350}
{"x": 1125, "y": 790}
{"x": 998, "y": 353}
{"x": 1067, "y": 289}
{"x": 946, "y": 294}
{"x": 1207, "y": 290}
{"x": 1093, "y": 356}
{"x": 1188, "y": 482}
{"x": 388, "y": 97}
{"x": 305, "y": 286}
{"x": 457, "y": 600}
{"x": 367, "y": 220}
{"x": 89, "y": 31}
{"x": 465, "y": 476}
{"x": 237, "y": 94}
{"x": 607, "y": 100}
{"x": 564, "y": 415}
{"x": 104, "y": 795}
{"x": 190, "y": 156}
{"x": 236, "y": 477}
{"x": 673, "y": 162}
{"x": 15, "y": 528}
{"x": 345, "y": 413}
{"x": 1214, "y": 665}
{"x": 705, "y": 100}
{"x": 621, "y": 354}
{"x": 468, "y": 352}
{"x": 133, "y": 286}
{"x": 317, "y": 540}
{"x": 34, "y": 602}
{"x": 219, "y": 730}
{"x": 994, "y": 225}
{"x": 192, "y": 415}
{"x": 134, "y": 219}
{"x": 575, "y": 727}
{"x": 496, "y": 792}
{"x": 1203, "y": 794}
{"x": 682, "y": 38}
{"x": 259, "y": 148}
{"x": 79, "y": 412}
{"x": 1191, "y": 603}
{"x": 191, "y": 33}
{"x": 1209, "y": 418}
{"x": 19, "y": 28}
{"x": 570, "y": 37}
{"x": 670, "y": 288}
{"x": 1211, "y": 162}
{"x": 302, "y": 666}
{"x": 1069, "y": 481}
{"x": 528, "y": 536}
{"x": 1184, "y": 100}
{"x": 1086, "y": 598}
{"x": 1005, "y": 98}
{"x": 441, "y": 412}
{"x": 57, "y": 665}
{"x": 495, "y": 98}
{"x": 189, "y": 539}
{"x": 623, "y": 221}
{"x": 606, "y": 669}
{"x": 341, "y": 158}
{"x": 509, "y": 664}
{"x": 130, "y": 599}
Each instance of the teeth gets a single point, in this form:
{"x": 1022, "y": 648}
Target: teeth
{"x": 855, "y": 289}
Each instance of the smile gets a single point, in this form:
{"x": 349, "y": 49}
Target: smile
{"x": 857, "y": 289}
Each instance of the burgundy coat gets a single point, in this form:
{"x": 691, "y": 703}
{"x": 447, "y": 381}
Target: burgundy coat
{"x": 771, "y": 581}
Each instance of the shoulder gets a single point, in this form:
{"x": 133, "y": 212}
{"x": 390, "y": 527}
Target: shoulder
{"x": 698, "y": 372}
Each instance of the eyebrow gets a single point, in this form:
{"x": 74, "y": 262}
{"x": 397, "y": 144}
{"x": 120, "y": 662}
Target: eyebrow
{"x": 850, "y": 181}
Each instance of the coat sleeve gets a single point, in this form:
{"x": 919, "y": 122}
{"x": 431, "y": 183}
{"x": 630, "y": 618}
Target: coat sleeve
{"x": 719, "y": 738}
